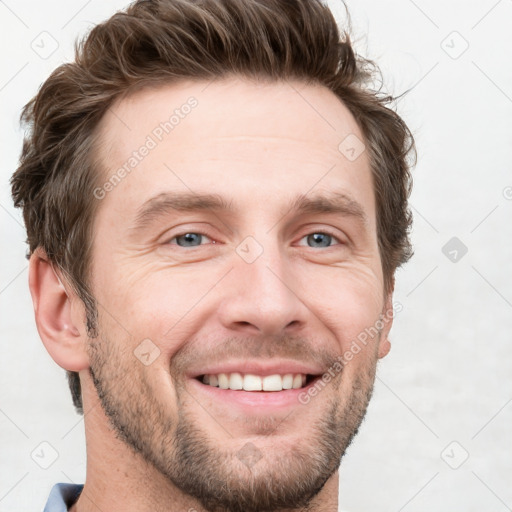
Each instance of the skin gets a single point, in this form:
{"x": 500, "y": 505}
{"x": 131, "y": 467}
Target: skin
{"x": 259, "y": 145}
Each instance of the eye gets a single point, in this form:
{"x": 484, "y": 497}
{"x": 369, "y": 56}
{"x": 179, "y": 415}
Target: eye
{"x": 320, "y": 239}
{"x": 189, "y": 239}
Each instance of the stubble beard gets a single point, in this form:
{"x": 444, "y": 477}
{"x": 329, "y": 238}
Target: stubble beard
{"x": 220, "y": 479}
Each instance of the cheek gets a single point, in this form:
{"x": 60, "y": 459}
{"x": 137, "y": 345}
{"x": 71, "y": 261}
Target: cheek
{"x": 348, "y": 303}
{"x": 161, "y": 304}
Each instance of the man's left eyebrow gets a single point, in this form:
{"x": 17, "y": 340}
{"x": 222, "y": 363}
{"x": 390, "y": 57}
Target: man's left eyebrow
{"x": 165, "y": 202}
{"x": 334, "y": 202}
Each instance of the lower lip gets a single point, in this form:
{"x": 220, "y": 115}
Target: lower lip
{"x": 254, "y": 401}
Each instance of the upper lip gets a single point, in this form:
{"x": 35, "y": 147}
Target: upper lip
{"x": 262, "y": 368}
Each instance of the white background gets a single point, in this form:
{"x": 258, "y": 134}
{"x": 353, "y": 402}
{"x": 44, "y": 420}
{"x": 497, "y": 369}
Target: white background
{"x": 446, "y": 386}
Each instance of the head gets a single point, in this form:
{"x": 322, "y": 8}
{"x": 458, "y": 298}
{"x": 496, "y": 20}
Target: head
{"x": 212, "y": 188}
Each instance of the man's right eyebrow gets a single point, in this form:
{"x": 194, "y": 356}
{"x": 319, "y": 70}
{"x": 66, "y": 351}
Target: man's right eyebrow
{"x": 163, "y": 203}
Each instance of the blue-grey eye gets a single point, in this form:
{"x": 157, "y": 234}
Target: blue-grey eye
{"x": 320, "y": 239}
{"x": 189, "y": 239}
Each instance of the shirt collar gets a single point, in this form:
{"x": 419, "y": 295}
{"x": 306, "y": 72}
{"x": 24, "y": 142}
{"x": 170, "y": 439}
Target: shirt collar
{"x": 62, "y": 497}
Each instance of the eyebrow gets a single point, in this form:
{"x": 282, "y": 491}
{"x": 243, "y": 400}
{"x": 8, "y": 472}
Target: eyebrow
{"x": 165, "y": 202}
{"x": 334, "y": 202}
{"x": 160, "y": 205}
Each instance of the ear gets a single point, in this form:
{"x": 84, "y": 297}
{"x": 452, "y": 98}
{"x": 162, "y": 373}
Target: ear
{"x": 387, "y": 319}
{"x": 57, "y": 319}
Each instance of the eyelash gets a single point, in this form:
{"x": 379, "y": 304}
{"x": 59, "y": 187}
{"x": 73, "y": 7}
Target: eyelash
{"x": 323, "y": 232}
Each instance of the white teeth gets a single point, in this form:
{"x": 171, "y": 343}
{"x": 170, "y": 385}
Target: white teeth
{"x": 223, "y": 381}
{"x": 288, "y": 381}
{"x": 236, "y": 381}
{"x": 252, "y": 383}
{"x": 272, "y": 383}
{"x": 249, "y": 382}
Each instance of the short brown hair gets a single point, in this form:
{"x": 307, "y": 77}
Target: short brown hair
{"x": 164, "y": 41}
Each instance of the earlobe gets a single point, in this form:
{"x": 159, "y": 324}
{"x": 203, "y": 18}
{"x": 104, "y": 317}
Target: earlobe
{"x": 53, "y": 314}
{"x": 384, "y": 347}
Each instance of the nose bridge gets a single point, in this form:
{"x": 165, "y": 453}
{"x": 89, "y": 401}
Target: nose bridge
{"x": 261, "y": 296}
{"x": 266, "y": 273}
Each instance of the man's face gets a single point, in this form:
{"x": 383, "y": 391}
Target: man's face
{"x": 259, "y": 285}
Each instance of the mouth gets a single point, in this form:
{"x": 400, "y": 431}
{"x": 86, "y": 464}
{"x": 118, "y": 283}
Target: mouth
{"x": 255, "y": 387}
{"x": 236, "y": 381}
{"x": 253, "y": 394}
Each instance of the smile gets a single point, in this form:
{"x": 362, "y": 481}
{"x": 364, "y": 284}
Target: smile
{"x": 249, "y": 382}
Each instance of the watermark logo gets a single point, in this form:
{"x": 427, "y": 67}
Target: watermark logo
{"x": 455, "y": 455}
{"x": 351, "y": 147}
{"x": 249, "y": 249}
{"x": 454, "y": 45}
{"x": 249, "y": 454}
{"x": 44, "y": 455}
{"x": 45, "y": 45}
{"x": 146, "y": 352}
{"x": 454, "y": 249}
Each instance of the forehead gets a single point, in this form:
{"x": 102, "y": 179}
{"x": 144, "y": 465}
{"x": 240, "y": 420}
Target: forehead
{"x": 248, "y": 142}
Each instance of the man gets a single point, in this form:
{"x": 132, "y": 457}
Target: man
{"x": 216, "y": 204}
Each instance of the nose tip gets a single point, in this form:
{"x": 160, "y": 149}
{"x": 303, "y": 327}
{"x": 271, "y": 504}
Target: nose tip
{"x": 260, "y": 300}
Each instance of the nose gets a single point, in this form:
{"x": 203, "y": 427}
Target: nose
{"x": 259, "y": 297}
